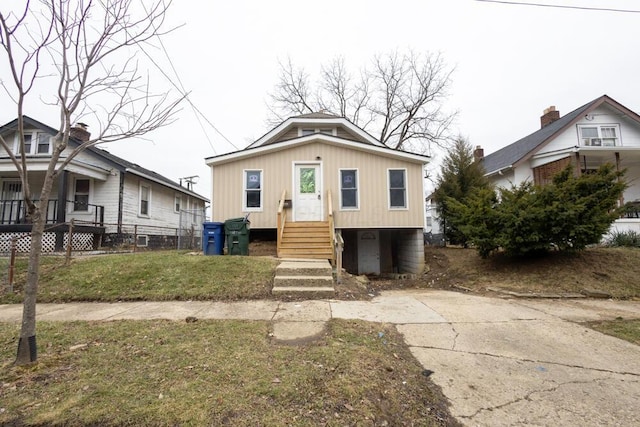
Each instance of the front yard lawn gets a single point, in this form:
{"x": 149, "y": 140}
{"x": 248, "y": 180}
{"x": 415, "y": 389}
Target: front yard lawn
{"x": 151, "y": 276}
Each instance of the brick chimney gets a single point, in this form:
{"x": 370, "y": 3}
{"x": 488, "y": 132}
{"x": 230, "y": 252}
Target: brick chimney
{"x": 478, "y": 153}
{"x": 549, "y": 116}
{"x": 80, "y": 132}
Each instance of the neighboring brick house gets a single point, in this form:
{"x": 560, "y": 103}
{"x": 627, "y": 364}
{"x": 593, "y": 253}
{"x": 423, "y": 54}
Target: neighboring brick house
{"x": 104, "y": 193}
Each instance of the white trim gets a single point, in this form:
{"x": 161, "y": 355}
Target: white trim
{"x": 294, "y": 189}
{"x": 89, "y": 198}
{"x": 317, "y": 137}
{"x": 312, "y": 122}
{"x": 357, "y": 188}
{"x": 316, "y": 129}
{"x": 600, "y": 138}
{"x": 33, "y": 150}
{"x": 245, "y": 208}
{"x": 141, "y": 185}
{"x": 166, "y": 184}
{"x": 142, "y": 237}
{"x": 406, "y": 191}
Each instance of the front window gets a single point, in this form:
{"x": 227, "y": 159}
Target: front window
{"x": 349, "y": 189}
{"x": 397, "y": 188}
{"x": 600, "y": 135}
{"x": 145, "y": 199}
{"x": 252, "y": 189}
{"x": 81, "y": 195}
{"x": 177, "y": 202}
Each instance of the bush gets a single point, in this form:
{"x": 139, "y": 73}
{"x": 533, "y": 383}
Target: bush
{"x": 628, "y": 239}
{"x": 568, "y": 214}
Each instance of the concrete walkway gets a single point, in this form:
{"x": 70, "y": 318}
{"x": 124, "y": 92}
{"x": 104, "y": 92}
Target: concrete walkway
{"x": 501, "y": 362}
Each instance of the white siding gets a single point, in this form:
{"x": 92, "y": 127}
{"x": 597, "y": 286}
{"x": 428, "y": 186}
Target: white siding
{"x": 629, "y": 130}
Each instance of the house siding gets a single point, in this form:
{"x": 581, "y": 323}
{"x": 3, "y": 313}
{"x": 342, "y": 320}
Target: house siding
{"x": 277, "y": 170}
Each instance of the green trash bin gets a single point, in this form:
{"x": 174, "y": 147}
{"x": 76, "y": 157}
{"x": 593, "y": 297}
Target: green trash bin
{"x": 237, "y": 233}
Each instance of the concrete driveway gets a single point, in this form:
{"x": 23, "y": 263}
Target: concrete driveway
{"x": 501, "y": 362}
{"x": 527, "y": 362}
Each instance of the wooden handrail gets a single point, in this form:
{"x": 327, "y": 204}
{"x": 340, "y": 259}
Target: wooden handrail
{"x": 281, "y": 219}
{"x": 336, "y": 239}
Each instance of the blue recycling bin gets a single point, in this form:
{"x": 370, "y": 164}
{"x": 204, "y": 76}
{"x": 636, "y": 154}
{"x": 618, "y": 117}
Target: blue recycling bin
{"x": 213, "y": 238}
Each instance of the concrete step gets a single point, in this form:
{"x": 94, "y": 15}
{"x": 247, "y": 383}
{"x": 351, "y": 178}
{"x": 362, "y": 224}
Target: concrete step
{"x": 303, "y": 277}
{"x": 305, "y": 291}
{"x": 304, "y": 268}
{"x": 308, "y": 281}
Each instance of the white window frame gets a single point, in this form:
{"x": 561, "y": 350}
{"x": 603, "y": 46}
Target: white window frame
{"x": 308, "y": 130}
{"x": 599, "y": 140}
{"x": 140, "y": 213}
{"x": 406, "y": 190}
{"x": 33, "y": 149}
{"x": 246, "y": 208}
{"x": 177, "y": 203}
{"x": 142, "y": 240}
{"x": 357, "y": 188}
{"x": 75, "y": 188}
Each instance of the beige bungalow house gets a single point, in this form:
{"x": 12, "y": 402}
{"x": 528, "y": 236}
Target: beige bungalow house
{"x": 327, "y": 188}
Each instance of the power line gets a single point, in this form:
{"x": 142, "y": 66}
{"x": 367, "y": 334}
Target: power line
{"x": 183, "y": 92}
{"x": 558, "y": 6}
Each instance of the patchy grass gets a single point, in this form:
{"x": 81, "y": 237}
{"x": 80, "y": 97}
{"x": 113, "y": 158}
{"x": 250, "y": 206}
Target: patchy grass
{"x": 614, "y": 270}
{"x": 628, "y": 330}
{"x": 215, "y": 373}
{"x": 154, "y": 276}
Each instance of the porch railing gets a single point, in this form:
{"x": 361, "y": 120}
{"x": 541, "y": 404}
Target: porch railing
{"x": 14, "y": 212}
{"x": 281, "y": 220}
{"x": 336, "y": 239}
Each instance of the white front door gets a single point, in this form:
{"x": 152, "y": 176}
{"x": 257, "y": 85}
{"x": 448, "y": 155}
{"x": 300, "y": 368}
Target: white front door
{"x": 307, "y": 200}
{"x": 369, "y": 252}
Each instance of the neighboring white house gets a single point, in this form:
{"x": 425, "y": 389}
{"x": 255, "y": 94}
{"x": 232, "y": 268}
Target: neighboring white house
{"x": 601, "y": 131}
{"x": 316, "y": 179}
{"x": 107, "y": 196}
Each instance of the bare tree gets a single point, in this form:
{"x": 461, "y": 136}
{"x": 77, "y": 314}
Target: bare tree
{"x": 91, "y": 46}
{"x": 399, "y": 97}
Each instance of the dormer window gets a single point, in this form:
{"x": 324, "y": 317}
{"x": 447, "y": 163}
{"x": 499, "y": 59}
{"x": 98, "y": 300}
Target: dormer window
{"x": 36, "y": 143}
{"x": 310, "y": 131}
{"x": 599, "y": 135}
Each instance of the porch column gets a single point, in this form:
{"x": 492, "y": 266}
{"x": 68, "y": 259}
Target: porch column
{"x": 578, "y": 171}
{"x": 618, "y": 170}
{"x": 61, "y": 207}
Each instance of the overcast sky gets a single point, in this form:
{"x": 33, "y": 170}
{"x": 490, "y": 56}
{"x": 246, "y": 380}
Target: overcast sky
{"x": 511, "y": 62}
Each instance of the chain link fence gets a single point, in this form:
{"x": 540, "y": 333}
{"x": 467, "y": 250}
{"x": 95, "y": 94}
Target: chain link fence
{"x": 190, "y": 229}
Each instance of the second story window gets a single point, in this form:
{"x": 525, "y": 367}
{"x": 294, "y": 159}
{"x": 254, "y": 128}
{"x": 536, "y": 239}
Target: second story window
{"x": 36, "y": 143}
{"x": 311, "y": 131}
{"x": 599, "y": 135}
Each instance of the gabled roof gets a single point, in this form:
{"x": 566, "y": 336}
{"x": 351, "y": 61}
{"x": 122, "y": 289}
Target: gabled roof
{"x": 524, "y": 148}
{"x": 269, "y": 142}
{"x": 312, "y": 119}
{"x": 118, "y": 162}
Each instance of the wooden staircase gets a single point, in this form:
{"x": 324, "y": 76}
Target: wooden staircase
{"x": 306, "y": 240}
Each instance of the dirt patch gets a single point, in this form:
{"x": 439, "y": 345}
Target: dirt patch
{"x": 612, "y": 270}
